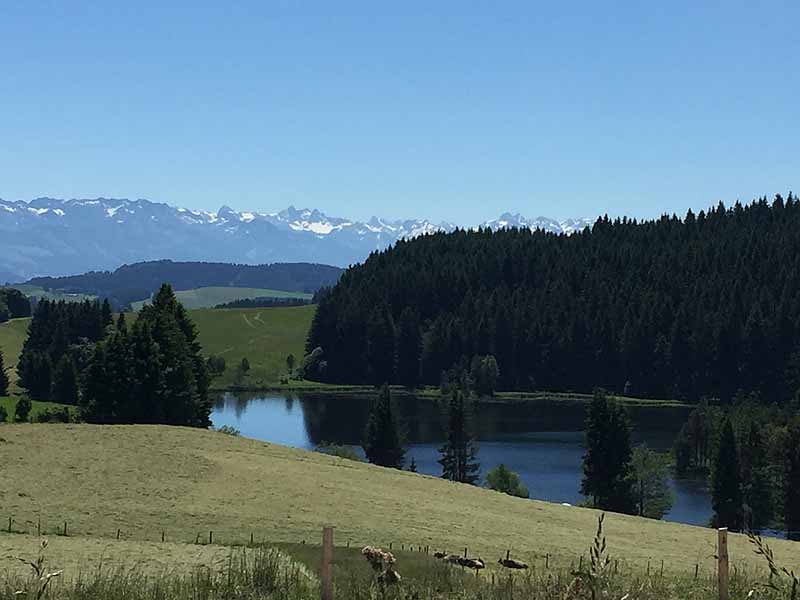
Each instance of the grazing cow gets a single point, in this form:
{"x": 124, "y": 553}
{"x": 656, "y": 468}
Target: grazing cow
{"x": 472, "y": 563}
{"x": 439, "y": 554}
{"x": 510, "y": 563}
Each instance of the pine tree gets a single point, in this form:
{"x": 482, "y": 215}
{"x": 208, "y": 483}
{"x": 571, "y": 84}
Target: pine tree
{"x": 380, "y": 347}
{"x": 382, "y": 437}
{"x": 3, "y": 377}
{"x": 409, "y": 348}
{"x": 459, "y": 452}
{"x": 791, "y": 480}
{"x": 607, "y": 462}
{"x": 106, "y": 315}
{"x": 756, "y": 486}
{"x": 65, "y": 382}
{"x": 412, "y": 467}
{"x": 726, "y": 491}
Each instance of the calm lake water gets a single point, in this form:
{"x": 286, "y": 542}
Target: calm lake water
{"x": 542, "y": 440}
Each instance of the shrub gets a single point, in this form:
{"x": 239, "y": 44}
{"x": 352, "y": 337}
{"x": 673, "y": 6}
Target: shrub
{"x": 23, "y": 409}
{"x": 227, "y": 430}
{"x": 502, "y": 479}
{"x": 342, "y": 451}
{"x": 54, "y": 415}
{"x": 3, "y": 414}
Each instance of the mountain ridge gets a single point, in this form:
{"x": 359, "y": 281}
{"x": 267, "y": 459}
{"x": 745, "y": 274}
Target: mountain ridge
{"x": 49, "y": 236}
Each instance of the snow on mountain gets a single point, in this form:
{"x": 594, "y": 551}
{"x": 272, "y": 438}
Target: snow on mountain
{"x": 57, "y": 237}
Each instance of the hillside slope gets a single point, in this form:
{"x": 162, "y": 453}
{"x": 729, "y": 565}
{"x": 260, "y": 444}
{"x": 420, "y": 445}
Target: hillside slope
{"x": 149, "y": 479}
{"x": 265, "y": 336}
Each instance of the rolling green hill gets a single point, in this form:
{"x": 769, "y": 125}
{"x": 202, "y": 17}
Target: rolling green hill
{"x": 208, "y": 297}
{"x": 265, "y": 336}
{"x": 184, "y": 482}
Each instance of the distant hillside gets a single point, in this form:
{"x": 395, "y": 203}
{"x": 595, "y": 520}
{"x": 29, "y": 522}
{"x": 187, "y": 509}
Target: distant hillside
{"x": 138, "y": 281}
{"x": 210, "y": 297}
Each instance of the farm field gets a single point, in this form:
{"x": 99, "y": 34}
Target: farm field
{"x": 208, "y": 297}
{"x": 265, "y": 336}
{"x": 40, "y": 292}
{"x": 187, "y": 483}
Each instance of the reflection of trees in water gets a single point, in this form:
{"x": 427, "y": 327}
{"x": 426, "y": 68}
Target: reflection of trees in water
{"x": 341, "y": 420}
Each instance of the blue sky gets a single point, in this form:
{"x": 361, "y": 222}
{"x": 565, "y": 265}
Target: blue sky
{"x": 446, "y": 110}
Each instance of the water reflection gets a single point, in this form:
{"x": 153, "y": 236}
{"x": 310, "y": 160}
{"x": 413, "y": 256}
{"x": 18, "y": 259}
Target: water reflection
{"x": 542, "y": 440}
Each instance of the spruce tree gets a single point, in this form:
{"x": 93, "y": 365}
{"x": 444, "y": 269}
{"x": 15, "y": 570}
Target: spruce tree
{"x": 382, "y": 437}
{"x": 409, "y": 348}
{"x": 380, "y": 347}
{"x": 726, "y": 490}
{"x": 756, "y": 485}
{"x": 65, "y": 382}
{"x": 459, "y": 452}
{"x": 3, "y": 377}
{"x": 607, "y": 462}
{"x": 791, "y": 480}
{"x": 106, "y": 315}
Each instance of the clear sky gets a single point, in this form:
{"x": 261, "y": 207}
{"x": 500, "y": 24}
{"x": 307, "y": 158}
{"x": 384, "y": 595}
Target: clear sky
{"x": 446, "y": 110}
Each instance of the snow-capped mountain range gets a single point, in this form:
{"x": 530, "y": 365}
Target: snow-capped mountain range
{"x": 55, "y": 237}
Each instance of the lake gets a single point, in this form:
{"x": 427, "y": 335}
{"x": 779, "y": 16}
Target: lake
{"x": 540, "y": 440}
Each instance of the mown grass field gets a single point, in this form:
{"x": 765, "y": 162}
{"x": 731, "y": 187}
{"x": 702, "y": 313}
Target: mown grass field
{"x": 265, "y": 336}
{"x": 147, "y": 479}
{"x": 208, "y": 297}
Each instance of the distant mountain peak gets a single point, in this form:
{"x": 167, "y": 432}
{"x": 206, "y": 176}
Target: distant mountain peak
{"x": 48, "y": 236}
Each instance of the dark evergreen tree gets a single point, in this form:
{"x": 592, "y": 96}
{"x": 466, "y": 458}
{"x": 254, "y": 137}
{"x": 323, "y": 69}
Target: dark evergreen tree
{"x": 65, "y": 382}
{"x": 382, "y": 436}
{"x": 791, "y": 480}
{"x": 380, "y": 347}
{"x": 154, "y": 374}
{"x": 3, "y": 377}
{"x": 413, "y": 465}
{"x": 459, "y": 452}
{"x": 22, "y": 411}
{"x": 726, "y": 488}
{"x": 122, "y": 325}
{"x": 106, "y": 315}
{"x": 607, "y": 462}
{"x": 757, "y": 493}
{"x": 408, "y": 348}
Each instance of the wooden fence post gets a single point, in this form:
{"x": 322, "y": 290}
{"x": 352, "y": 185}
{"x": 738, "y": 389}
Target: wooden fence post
{"x": 9, "y": 524}
{"x": 210, "y": 537}
{"x": 722, "y": 563}
{"x": 326, "y": 574}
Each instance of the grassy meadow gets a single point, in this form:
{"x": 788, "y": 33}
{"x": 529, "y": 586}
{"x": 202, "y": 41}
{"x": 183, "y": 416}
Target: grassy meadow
{"x": 12, "y": 336}
{"x": 208, "y": 297}
{"x": 265, "y": 336}
{"x": 145, "y": 480}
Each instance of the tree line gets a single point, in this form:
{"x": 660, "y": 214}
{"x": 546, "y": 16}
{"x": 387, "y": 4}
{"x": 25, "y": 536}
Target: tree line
{"x": 150, "y": 371}
{"x": 704, "y": 306}
{"x": 13, "y": 304}
{"x": 750, "y": 453}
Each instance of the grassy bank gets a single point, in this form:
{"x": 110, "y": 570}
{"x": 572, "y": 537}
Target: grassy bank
{"x": 145, "y": 480}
